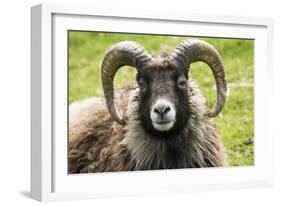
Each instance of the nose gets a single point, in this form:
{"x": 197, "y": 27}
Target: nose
{"x": 162, "y": 109}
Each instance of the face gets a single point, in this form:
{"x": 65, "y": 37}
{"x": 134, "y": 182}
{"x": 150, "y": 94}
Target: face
{"x": 163, "y": 98}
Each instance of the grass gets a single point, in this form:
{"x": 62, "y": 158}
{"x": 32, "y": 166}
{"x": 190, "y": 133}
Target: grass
{"x": 236, "y": 121}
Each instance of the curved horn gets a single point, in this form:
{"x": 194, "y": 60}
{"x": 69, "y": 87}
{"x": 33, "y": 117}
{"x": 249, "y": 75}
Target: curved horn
{"x": 124, "y": 53}
{"x": 190, "y": 51}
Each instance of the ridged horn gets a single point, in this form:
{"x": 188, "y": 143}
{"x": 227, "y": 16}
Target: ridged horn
{"x": 123, "y": 53}
{"x": 193, "y": 50}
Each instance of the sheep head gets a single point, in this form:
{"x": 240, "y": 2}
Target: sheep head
{"x": 162, "y": 82}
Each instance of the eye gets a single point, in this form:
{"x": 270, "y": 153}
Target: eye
{"x": 142, "y": 85}
{"x": 182, "y": 84}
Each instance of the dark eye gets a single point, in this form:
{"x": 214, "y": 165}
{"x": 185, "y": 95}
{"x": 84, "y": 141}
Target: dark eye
{"x": 142, "y": 85}
{"x": 182, "y": 84}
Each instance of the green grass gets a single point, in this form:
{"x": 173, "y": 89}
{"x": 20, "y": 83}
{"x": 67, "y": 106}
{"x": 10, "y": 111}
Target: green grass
{"x": 236, "y": 121}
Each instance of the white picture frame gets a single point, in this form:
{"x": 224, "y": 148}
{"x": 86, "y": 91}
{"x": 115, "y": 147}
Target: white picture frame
{"x": 49, "y": 178}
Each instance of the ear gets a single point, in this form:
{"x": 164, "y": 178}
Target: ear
{"x": 138, "y": 76}
{"x": 186, "y": 72}
{"x": 142, "y": 75}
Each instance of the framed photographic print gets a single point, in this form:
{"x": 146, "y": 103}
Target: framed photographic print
{"x": 133, "y": 102}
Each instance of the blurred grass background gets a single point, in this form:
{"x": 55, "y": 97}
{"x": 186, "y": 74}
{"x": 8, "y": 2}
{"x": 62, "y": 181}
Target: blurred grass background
{"x": 236, "y": 121}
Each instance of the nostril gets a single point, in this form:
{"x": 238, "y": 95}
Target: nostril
{"x": 156, "y": 111}
{"x": 167, "y": 109}
{"x": 162, "y": 109}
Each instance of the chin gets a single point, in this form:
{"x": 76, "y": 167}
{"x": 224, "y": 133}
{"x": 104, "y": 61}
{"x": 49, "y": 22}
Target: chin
{"x": 163, "y": 127}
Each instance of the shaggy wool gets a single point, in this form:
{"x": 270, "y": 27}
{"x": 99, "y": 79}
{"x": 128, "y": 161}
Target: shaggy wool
{"x": 97, "y": 144}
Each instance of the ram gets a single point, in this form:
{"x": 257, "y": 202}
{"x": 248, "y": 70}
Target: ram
{"x": 160, "y": 122}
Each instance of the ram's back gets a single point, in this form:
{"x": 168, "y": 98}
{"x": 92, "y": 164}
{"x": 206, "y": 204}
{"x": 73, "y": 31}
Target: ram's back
{"x": 93, "y": 134}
